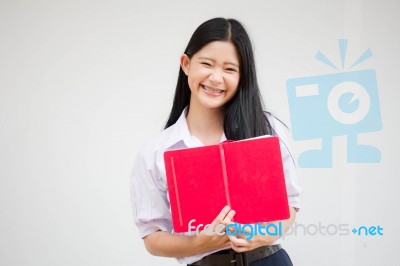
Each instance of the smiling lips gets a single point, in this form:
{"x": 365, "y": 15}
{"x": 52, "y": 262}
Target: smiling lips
{"x": 212, "y": 91}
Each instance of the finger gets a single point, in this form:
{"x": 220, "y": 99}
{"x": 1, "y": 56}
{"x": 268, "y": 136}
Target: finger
{"x": 239, "y": 249}
{"x": 229, "y": 217}
{"x": 247, "y": 229}
{"x": 218, "y": 220}
{"x": 238, "y": 242}
{"x": 231, "y": 228}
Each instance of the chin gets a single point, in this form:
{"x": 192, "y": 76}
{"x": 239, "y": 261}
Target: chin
{"x": 212, "y": 105}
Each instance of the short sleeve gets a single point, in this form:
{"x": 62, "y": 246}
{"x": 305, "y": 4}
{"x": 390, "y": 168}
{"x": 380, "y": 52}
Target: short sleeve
{"x": 292, "y": 187}
{"x": 149, "y": 197}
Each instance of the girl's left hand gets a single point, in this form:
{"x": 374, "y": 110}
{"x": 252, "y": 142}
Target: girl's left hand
{"x": 242, "y": 242}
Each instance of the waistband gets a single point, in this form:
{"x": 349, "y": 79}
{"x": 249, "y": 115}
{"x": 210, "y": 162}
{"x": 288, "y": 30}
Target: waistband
{"x": 229, "y": 257}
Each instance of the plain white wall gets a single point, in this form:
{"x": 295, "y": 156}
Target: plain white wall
{"x": 84, "y": 83}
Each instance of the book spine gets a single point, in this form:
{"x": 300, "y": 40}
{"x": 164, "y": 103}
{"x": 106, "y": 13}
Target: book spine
{"x": 224, "y": 174}
{"x": 176, "y": 192}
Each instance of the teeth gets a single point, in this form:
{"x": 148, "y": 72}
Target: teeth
{"x": 211, "y": 90}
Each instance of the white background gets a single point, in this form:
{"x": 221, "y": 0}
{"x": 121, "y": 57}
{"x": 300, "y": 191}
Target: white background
{"x": 84, "y": 83}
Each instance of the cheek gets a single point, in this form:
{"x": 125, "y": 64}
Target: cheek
{"x": 197, "y": 76}
{"x": 193, "y": 81}
{"x": 233, "y": 83}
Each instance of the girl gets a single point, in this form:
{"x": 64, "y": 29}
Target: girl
{"x": 216, "y": 98}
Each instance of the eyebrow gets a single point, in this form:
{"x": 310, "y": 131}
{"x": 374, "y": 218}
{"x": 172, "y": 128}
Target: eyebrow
{"x": 213, "y": 60}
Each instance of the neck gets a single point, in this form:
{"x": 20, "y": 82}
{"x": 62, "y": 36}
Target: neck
{"x": 206, "y": 124}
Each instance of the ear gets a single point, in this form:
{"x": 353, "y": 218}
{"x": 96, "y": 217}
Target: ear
{"x": 185, "y": 63}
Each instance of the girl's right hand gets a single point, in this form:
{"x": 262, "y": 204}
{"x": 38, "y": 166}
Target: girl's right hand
{"x": 216, "y": 237}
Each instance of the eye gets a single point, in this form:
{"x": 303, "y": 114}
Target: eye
{"x": 231, "y": 69}
{"x": 205, "y": 64}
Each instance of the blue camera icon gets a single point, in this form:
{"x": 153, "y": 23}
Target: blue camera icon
{"x": 339, "y": 104}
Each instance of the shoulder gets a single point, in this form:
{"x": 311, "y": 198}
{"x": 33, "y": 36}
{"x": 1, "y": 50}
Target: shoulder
{"x": 278, "y": 127}
{"x": 149, "y": 162}
{"x": 280, "y": 130}
{"x": 156, "y": 144}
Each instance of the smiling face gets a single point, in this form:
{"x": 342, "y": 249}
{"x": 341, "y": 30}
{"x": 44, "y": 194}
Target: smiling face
{"x": 213, "y": 74}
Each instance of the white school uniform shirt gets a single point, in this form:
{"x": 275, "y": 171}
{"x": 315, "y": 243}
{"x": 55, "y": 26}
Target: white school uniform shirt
{"x": 149, "y": 191}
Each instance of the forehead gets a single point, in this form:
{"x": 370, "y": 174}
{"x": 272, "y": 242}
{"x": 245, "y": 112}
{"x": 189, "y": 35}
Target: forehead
{"x": 219, "y": 50}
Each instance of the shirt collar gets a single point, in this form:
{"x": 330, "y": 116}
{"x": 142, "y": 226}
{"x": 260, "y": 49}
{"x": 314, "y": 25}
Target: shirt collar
{"x": 180, "y": 132}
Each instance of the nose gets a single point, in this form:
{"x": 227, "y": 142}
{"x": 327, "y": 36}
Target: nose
{"x": 216, "y": 77}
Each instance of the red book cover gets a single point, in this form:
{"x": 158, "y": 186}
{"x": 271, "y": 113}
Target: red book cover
{"x": 246, "y": 175}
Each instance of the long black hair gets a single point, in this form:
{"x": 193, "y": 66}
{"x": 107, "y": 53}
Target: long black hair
{"x": 243, "y": 114}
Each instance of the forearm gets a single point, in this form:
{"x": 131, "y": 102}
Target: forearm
{"x": 286, "y": 224}
{"x": 170, "y": 245}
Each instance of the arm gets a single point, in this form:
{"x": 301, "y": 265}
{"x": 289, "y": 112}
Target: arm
{"x": 170, "y": 245}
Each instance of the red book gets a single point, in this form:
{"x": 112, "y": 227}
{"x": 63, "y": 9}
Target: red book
{"x": 246, "y": 175}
